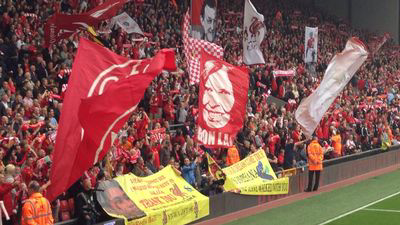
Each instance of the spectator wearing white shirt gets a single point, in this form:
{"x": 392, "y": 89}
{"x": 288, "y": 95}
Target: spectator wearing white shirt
{"x": 351, "y": 146}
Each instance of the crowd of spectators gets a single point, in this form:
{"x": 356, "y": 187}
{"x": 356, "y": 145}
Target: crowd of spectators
{"x": 33, "y": 80}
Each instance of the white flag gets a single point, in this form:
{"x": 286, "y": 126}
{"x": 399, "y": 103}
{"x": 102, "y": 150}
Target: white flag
{"x": 339, "y": 72}
{"x": 253, "y": 35}
{"x": 311, "y": 45}
{"x": 126, "y": 23}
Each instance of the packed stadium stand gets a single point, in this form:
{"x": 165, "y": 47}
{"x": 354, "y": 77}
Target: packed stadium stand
{"x": 34, "y": 80}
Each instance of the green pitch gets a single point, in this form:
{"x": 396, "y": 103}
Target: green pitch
{"x": 373, "y": 201}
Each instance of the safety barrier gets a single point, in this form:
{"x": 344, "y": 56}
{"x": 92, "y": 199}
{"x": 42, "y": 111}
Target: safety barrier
{"x": 335, "y": 170}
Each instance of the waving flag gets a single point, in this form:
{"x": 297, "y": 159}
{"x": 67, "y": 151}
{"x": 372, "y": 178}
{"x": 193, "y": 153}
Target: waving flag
{"x": 107, "y": 10}
{"x": 339, "y": 72}
{"x": 74, "y": 152}
{"x": 253, "y": 35}
{"x": 222, "y": 101}
{"x": 192, "y": 50}
{"x": 102, "y": 116}
{"x": 124, "y": 21}
{"x": 204, "y": 19}
{"x": 61, "y": 26}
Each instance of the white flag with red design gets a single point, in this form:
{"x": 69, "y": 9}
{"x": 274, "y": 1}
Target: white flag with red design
{"x": 339, "y": 72}
{"x": 253, "y": 35}
{"x": 192, "y": 50}
{"x": 222, "y": 102}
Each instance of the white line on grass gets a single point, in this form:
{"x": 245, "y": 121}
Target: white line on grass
{"x": 382, "y": 210}
{"x": 358, "y": 209}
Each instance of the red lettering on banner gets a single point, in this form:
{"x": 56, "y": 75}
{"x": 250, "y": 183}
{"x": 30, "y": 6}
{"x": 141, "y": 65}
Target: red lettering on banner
{"x": 168, "y": 198}
{"x": 151, "y": 202}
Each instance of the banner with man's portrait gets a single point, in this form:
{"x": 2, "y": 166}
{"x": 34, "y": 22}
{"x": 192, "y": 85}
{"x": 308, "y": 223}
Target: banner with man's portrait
{"x": 204, "y": 19}
{"x": 162, "y": 198}
{"x": 222, "y": 101}
{"x": 311, "y": 45}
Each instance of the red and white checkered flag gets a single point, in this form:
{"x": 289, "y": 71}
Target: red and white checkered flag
{"x": 192, "y": 49}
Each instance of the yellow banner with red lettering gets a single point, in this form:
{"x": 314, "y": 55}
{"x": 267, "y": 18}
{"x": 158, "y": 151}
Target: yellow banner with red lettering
{"x": 160, "y": 199}
{"x": 251, "y": 176}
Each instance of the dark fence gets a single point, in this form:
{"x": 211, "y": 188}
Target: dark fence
{"x": 335, "y": 170}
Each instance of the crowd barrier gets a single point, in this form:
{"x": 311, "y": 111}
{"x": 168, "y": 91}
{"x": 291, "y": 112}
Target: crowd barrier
{"x": 335, "y": 170}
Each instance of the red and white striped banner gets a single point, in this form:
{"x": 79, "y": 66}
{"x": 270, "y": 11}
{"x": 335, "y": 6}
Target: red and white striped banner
{"x": 192, "y": 49}
{"x": 284, "y": 73}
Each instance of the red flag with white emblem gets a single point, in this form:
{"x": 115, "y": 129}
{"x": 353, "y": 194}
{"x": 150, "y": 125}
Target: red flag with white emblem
{"x": 222, "y": 101}
{"x": 107, "y": 9}
{"x": 73, "y": 152}
{"x": 61, "y": 26}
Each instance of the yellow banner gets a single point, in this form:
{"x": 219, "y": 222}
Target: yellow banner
{"x": 252, "y": 176}
{"x": 160, "y": 199}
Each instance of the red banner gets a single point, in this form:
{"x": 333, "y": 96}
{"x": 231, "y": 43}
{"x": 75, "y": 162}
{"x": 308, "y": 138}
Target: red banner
{"x": 72, "y": 156}
{"x": 157, "y": 134}
{"x": 222, "y": 101}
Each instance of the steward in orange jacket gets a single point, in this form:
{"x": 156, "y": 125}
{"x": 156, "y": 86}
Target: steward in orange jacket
{"x": 315, "y": 155}
{"x": 232, "y": 156}
{"x": 36, "y": 209}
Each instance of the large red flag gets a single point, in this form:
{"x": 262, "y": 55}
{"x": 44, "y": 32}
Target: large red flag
{"x": 102, "y": 116}
{"x": 61, "y": 26}
{"x": 94, "y": 69}
{"x": 107, "y": 9}
{"x": 222, "y": 101}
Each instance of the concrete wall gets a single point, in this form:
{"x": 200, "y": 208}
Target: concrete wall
{"x": 376, "y": 15}
{"x": 340, "y": 8}
{"x": 379, "y": 16}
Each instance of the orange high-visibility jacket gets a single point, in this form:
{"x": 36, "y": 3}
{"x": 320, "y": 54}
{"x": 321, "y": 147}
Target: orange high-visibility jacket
{"x": 36, "y": 211}
{"x": 315, "y": 156}
{"x": 337, "y": 144}
{"x": 232, "y": 156}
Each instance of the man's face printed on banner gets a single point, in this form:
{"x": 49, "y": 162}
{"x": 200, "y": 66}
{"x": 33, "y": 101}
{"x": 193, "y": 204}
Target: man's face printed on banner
{"x": 208, "y": 21}
{"x": 218, "y": 96}
{"x": 121, "y": 204}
